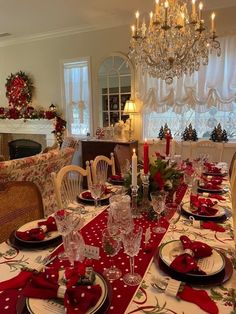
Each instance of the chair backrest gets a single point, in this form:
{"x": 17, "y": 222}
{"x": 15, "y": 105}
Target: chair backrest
{"x": 70, "y": 141}
{"x": 20, "y": 202}
{"x": 232, "y": 164}
{"x": 23, "y": 148}
{"x": 68, "y": 183}
{"x": 38, "y": 169}
{"x": 122, "y": 156}
{"x": 100, "y": 166}
{"x": 214, "y": 150}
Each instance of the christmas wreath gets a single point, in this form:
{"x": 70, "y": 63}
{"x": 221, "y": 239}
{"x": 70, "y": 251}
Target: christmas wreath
{"x": 19, "y": 90}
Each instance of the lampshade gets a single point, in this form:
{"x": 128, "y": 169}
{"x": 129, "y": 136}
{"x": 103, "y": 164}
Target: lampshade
{"x": 130, "y": 107}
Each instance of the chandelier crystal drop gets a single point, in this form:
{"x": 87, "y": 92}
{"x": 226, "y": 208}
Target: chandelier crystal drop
{"x": 175, "y": 42}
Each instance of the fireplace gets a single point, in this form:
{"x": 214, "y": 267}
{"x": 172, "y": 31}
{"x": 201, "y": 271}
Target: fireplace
{"x": 38, "y": 130}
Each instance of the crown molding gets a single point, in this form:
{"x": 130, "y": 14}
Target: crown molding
{"x": 55, "y": 34}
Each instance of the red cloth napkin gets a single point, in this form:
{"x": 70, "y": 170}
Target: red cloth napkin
{"x": 217, "y": 197}
{"x": 200, "y": 298}
{"x": 203, "y": 206}
{"x": 38, "y": 234}
{"x": 210, "y": 186}
{"x": 211, "y": 168}
{"x": 186, "y": 262}
{"x": 17, "y": 282}
{"x": 87, "y": 195}
{"x": 77, "y": 299}
{"x": 213, "y": 181}
{"x": 212, "y": 226}
{"x": 116, "y": 177}
{"x": 35, "y": 234}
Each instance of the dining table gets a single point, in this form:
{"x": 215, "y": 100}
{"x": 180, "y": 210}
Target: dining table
{"x": 151, "y": 295}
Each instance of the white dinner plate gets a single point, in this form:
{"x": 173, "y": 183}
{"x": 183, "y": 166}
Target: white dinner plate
{"x": 54, "y": 306}
{"x": 34, "y": 224}
{"x": 221, "y": 212}
{"x": 211, "y": 265}
{"x": 103, "y": 198}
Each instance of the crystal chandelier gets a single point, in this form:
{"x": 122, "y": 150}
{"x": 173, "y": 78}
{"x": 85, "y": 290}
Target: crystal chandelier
{"x": 175, "y": 42}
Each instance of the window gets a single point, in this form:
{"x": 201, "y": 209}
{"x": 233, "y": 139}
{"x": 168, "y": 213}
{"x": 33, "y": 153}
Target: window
{"x": 77, "y": 96}
{"x": 114, "y": 88}
{"x": 204, "y": 99}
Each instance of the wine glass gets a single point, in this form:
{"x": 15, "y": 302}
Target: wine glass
{"x": 66, "y": 221}
{"x": 96, "y": 190}
{"x": 173, "y": 211}
{"x": 158, "y": 199}
{"x": 111, "y": 245}
{"x": 131, "y": 242}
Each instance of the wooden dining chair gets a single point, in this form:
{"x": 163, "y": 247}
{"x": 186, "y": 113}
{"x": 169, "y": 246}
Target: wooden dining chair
{"x": 68, "y": 183}
{"x": 212, "y": 149}
{"x": 20, "y": 202}
{"x": 232, "y": 164}
{"x": 100, "y": 166}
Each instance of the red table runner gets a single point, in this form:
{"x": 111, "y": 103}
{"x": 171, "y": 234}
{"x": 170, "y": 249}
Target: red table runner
{"x": 92, "y": 233}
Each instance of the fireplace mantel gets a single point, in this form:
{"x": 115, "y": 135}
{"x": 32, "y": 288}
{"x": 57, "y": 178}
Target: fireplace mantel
{"x": 29, "y": 126}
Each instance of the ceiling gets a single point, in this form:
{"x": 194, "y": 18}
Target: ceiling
{"x": 35, "y": 18}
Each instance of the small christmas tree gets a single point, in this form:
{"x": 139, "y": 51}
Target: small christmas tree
{"x": 194, "y": 135}
{"x": 213, "y": 136}
{"x": 224, "y": 136}
{"x": 189, "y": 134}
{"x": 185, "y": 134}
{"x": 161, "y": 133}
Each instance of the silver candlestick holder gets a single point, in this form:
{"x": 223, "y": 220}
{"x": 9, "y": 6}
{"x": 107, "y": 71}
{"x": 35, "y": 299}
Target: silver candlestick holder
{"x": 134, "y": 201}
{"x": 145, "y": 183}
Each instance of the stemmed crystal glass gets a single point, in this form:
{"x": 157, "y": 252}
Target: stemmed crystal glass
{"x": 173, "y": 211}
{"x": 67, "y": 222}
{"x": 120, "y": 211}
{"x": 96, "y": 190}
{"x": 111, "y": 245}
{"x": 131, "y": 242}
{"x": 158, "y": 199}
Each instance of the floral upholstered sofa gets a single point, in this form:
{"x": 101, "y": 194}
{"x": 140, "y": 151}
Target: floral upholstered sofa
{"x": 38, "y": 169}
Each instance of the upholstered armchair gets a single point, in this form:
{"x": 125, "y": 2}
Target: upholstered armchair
{"x": 38, "y": 169}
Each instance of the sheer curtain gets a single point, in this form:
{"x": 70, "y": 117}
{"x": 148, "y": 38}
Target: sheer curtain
{"x": 206, "y": 98}
{"x": 77, "y": 96}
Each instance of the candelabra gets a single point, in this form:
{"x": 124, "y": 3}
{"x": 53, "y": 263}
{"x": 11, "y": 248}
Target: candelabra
{"x": 145, "y": 183}
{"x": 134, "y": 201}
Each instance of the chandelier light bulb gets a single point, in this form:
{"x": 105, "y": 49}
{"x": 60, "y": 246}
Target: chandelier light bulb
{"x": 175, "y": 43}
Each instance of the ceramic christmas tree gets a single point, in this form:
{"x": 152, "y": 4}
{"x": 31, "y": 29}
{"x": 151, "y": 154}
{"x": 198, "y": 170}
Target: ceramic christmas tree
{"x": 213, "y": 136}
{"x": 224, "y": 136}
{"x": 161, "y": 133}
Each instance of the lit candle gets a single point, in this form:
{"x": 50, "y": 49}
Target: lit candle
{"x": 193, "y": 8}
{"x": 133, "y": 30}
{"x": 200, "y": 10}
{"x": 213, "y": 22}
{"x": 145, "y": 157}
{"x": 157, "y": 6}
{"x": 166, "y": 5}
{"x": 168, "y": 138}
{"x": 137, "y": 19}
{"x": 134, "y": 168}
{"x": 151, "y": 18}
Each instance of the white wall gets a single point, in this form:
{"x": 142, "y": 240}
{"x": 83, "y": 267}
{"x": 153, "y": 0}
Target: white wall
{"x": 41, "y": 60}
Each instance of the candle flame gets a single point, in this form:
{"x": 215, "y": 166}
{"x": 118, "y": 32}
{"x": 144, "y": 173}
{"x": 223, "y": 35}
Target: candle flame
{"x": 200, "y": 6}
{"x": 137, "y": 14}
{"x": 213, "y": 16}
{"x": 134, "y": 150}
{"x": 193, "y": 1}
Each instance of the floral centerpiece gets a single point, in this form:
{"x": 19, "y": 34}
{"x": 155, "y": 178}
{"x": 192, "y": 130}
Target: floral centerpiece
{"x": 163, "y": 176}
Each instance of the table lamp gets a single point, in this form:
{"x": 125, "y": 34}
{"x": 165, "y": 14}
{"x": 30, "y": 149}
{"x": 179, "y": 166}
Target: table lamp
{"x": 129, "y": 108}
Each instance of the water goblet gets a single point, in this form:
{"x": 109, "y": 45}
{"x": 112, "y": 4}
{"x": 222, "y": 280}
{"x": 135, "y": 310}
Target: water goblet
{"x": 173, "y": 211}
{"x": 158, "y": 199}
{"x": 96, "y": 190}
{"x": 120, "y": 210}
{"x": 66, "y": 221}
{"x": 111, "y": 246}
{"x": 131, "y": 242}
